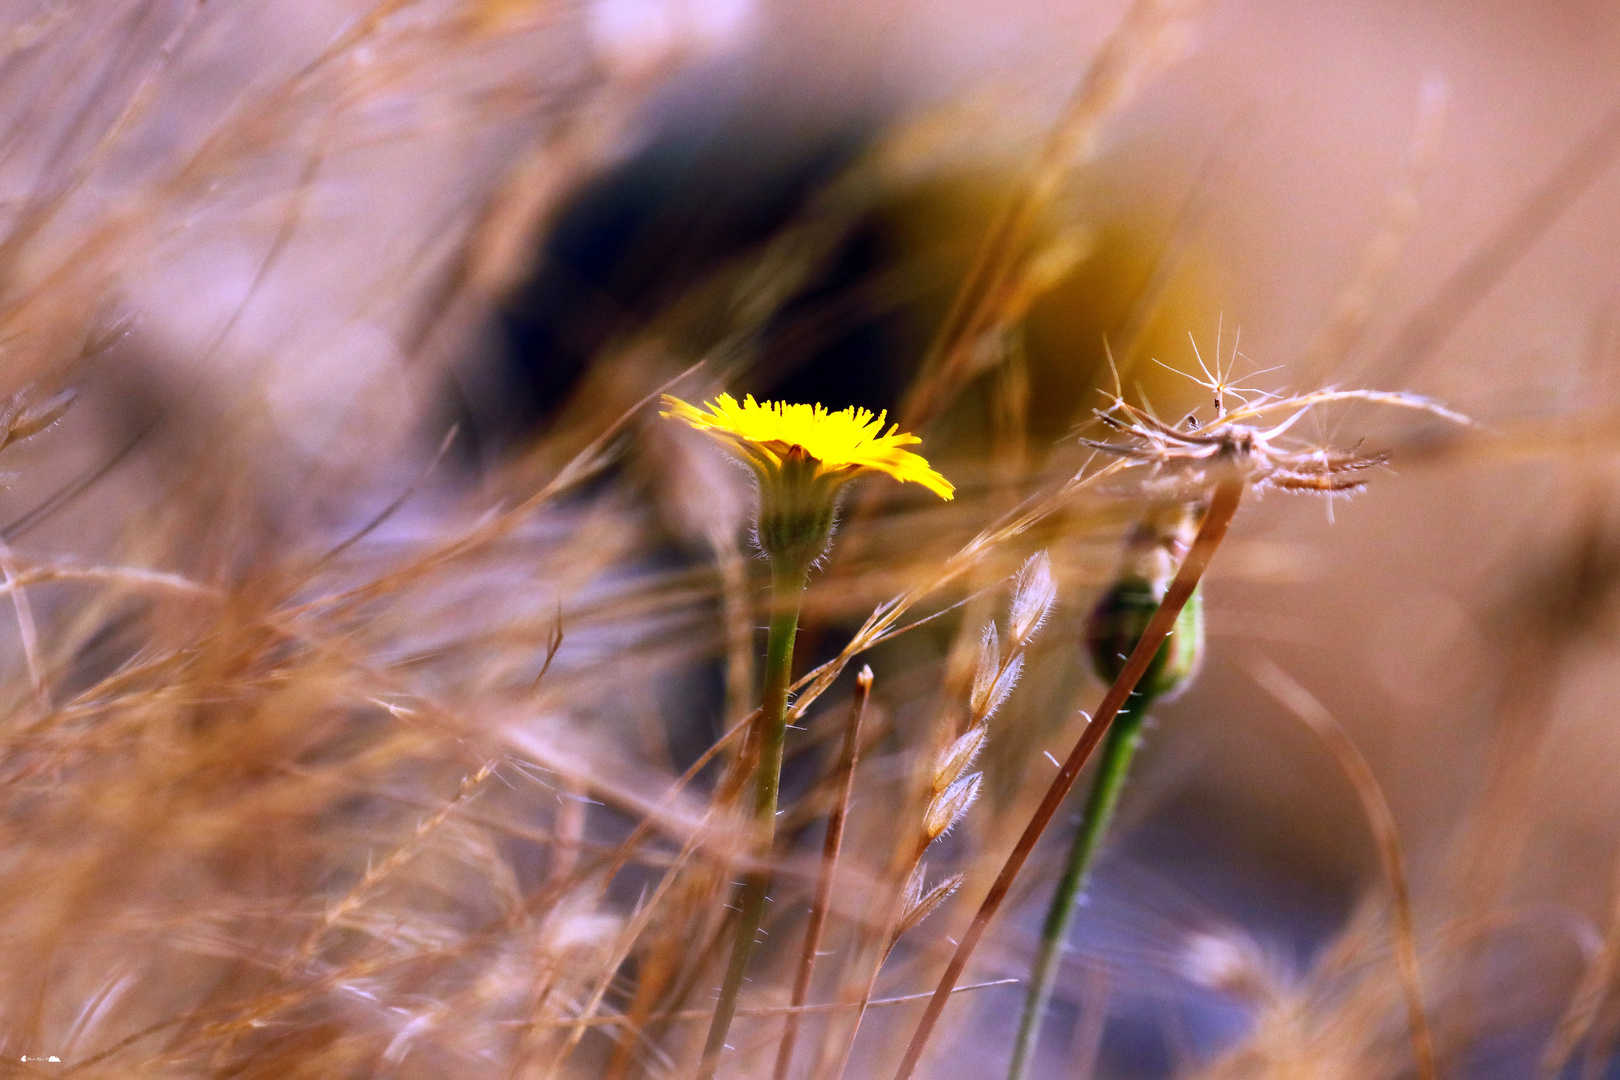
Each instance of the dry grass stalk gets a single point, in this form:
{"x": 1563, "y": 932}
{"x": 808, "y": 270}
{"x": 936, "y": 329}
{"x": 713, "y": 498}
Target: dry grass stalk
{"x": 950, "y": 790}
{"x": 1007, "y": 275}
{"x": 847, "y": 761}
{"x": 1302, "y": 704}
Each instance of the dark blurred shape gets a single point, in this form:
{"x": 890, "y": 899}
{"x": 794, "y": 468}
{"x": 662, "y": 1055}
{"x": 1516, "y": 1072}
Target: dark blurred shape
{"x": 635, "y": 242}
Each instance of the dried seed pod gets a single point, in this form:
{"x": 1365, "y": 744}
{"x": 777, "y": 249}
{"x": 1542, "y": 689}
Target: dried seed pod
{"x": 955, "y": 758}
{"x": 946, "y": 808}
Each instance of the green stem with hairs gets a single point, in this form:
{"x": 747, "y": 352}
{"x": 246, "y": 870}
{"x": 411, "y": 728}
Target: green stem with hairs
{"x": 787, "y": 594}
{"x": 1115, "y": 762}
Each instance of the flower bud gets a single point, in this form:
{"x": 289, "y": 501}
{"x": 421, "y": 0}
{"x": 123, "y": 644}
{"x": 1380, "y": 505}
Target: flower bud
{"x": 1153, "y": 550}
{"x": 1116, "y": 625}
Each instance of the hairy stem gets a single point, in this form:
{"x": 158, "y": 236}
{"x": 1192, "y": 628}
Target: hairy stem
{"x": 787, "y": 593}
{"x": 1118, "y": 750}
{"x": 1223, "y": 507}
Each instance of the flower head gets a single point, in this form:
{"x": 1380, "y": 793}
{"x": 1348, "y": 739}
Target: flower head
{"x": 803, "y": 455}
{"x": 842, "y": 444}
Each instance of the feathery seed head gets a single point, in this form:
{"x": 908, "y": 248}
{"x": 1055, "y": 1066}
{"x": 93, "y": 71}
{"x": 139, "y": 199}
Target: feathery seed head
{"x": 1192, "y": 457}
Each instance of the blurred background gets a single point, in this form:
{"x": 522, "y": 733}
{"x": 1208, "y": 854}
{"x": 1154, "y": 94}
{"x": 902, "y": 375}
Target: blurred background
{"x": 338, "y": 283}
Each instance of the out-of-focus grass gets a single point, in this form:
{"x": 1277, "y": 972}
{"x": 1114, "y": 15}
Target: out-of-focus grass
{"x": 326, "y": 755}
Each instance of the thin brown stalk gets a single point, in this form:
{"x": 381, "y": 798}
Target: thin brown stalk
{"x": 829, "y": 868}
{"x": 886, "y": 942}
{"x": 1303, "y": 704}
{"x": 767, "y": 1011}
{"x": 1596, "y": 987}
{"x": 25, "y": 628}
{"x": 375, "y": 874}
{"x": 627, "y": 938}
{"x": 397, "y": 502}
{"x": 649, "y": 821}
{"x": 1223, "y": 507}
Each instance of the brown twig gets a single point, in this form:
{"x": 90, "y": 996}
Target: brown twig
{"x": 1223, "y": 507}
{"x": 688, "y": 1015}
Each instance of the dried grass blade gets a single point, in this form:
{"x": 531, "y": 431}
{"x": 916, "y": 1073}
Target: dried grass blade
{"x": 848, "y": 758}
{"x": 1135, "y": 48}
{"x": 1303, "y": 704}
{"x": 26, "y": 629}
{"x": 1597, "y": 985}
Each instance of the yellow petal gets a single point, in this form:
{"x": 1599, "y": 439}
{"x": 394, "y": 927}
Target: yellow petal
{"x": 851, "y": 438}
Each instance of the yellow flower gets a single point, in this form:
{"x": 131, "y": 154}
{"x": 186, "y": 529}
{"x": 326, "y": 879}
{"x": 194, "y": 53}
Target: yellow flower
{"x": 840, "y": 444}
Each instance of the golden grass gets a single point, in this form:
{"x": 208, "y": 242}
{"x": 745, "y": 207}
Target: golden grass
{"x": 322, "y": 758}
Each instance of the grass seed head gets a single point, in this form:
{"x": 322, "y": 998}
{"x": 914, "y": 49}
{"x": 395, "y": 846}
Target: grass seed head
{"x": 955, "y": 758}
{"x": 1033, "y": 596}
{"x": 947, "y": 808}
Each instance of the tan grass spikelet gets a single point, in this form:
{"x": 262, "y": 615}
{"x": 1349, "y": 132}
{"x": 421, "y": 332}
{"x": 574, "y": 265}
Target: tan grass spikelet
{"x": 947, "y": 808}
{"x": 920, "y": 903}
{"x": 955, "y": 758}
{"x": 21, "y": 417}
{"x": 1034, "y": 593}
{"x": 1000, "y": 688}
{"x": 985, "y": 672}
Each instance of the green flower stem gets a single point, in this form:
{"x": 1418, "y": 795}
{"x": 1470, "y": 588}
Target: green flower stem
{"x": 787, "y": 594}
{"x": 1117, "y": 751}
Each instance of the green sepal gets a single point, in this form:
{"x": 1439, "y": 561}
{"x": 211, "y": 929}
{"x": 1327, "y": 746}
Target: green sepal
{"x": 1116, "y": 625}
